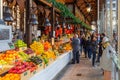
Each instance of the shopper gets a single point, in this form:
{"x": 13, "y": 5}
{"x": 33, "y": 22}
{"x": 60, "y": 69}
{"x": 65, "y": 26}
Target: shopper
{"x": 106, "y": 59}
{"x": 76, "y": 47}
{"x": 84, "y": 43}
{"x": 94, "y": 47}
{"x": 89, "y": 51}
{"x": 80, "y": 38}
{"x": 100, "y": 47}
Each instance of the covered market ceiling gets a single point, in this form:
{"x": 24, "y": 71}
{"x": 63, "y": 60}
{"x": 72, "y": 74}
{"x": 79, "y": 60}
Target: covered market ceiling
{"x": 83, "y": 4}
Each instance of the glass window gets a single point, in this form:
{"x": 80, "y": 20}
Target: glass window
{"x": 114, "y": 5}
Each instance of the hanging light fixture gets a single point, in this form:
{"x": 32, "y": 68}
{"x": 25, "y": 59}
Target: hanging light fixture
{"x": 47, "y": 22}
{"x": 57, "y": 24}
{"x": 7, "y": 14}
{"x": 64, "y": 26}
{"x": 33, "y": 19}
{"x": 88, "y": 7}
{"x": 69, "y": 27}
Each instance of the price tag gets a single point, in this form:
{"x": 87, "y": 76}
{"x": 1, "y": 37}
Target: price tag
{"x": 40, "y": 64}
{"x": 25, "y": 73}
{"x": 34, "y": 72}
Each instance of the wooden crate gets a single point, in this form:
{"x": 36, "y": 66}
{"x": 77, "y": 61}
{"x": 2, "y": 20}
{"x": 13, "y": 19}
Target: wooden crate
{"x": 40, "y": 67}
{"x": 25, "y": 75}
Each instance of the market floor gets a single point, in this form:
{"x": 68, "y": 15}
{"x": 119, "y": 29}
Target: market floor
{"x": 81, "y": 71}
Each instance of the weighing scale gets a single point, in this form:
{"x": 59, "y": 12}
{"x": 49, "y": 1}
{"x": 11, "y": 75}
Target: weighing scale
{"x": 6, "y": 38}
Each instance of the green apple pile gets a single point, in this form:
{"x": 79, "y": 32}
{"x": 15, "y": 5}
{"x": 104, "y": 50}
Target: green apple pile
{"x": 23, "y": 56}
{"x": 20, "y": 43}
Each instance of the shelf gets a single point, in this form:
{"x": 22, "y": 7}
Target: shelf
{"x": 53, "y": 69}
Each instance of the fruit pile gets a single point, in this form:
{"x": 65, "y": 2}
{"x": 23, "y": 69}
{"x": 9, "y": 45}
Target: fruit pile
{"x": 45, "y": 59}
{"x": 47, "y": 45}
{"x": 11, "y": 76}
{"x": 19, "y": 67}
{"x": 29, "y": 51}
{"x": 9, "y": 56}
{"x": 35, "y": 60}
{"x": 2, "y": 62}
{"x": 23, "y": 56}
{"x": 50, "y": 54}
{"x": 67, "y": 47}
{"x": 37, "y": 47}
{"x": 32, "y": 66}
{"x": 20, "y": 43}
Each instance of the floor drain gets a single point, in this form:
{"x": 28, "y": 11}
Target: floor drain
{"x": 79, "y": 74}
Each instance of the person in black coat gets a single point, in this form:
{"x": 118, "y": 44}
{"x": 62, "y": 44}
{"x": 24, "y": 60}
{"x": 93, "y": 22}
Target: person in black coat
{"x": 94, "y": 47}
{"x": 100, "y": 47}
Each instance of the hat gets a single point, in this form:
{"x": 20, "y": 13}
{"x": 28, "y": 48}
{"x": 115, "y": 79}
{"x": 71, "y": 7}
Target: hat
{"x": 105, "y": 39}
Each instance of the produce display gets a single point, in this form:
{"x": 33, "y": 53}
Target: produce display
{"x": 20, "y": 43}
{"x": 35, "y": 60}
{"x": 50, "y": 54}
{"x": 21, "y": 60}
{"x": 45, "y": 59}
{"x": 19, "y": 67}
{"x": 2, "y": 62}
{"x": 67, "y": 47}
{"x": 11, "y": 76}
{"x": 28, "y": 51}
{"x": 47, "y": 45}
{"x": 23, "y": 55}
{"x": 37, "y": 47}
{"x": 9, "y": 56}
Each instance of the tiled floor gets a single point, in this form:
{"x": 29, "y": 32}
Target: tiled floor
{"x": 81, "y": 71}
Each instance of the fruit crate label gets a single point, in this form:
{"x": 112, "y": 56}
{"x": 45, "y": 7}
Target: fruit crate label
{"x": 25, "y": 73}
{"x": 40, "y": 64}
{"x": 23, "y": 48}
{"x": 46, "y": 64}
{"x": 34, "y": 72}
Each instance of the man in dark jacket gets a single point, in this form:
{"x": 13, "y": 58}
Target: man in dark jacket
{"x": 76, "y": 47}
{"x": 94, "y": 47}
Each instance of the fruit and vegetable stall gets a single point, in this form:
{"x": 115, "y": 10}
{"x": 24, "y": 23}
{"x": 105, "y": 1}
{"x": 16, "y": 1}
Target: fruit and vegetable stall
{"x": 38, "y": 62}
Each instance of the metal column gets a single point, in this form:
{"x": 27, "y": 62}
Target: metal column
{"x": 111, "y": 25}
{"x": 118, "y": 22}
{"x": 1, "y": 9}
{"x": 28, "y": 34}
{"x": 98, "y": 22}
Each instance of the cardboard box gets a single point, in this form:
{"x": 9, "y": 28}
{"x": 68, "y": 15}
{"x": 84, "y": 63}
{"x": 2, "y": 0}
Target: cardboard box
{"x": 25, "y": 75}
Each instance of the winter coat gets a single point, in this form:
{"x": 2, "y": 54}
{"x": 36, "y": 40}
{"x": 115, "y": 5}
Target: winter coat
{"x": 94, "y": 46}
{"x": 106, "y": 59}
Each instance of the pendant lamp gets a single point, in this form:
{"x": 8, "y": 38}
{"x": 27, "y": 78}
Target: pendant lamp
{"x": 7, "y": 14}
{"x": 33, "y": 19}
{"x": 47, "y": 22}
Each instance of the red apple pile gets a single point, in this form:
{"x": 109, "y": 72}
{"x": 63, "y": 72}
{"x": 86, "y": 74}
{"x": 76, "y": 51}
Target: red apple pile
{"x": 21, "y": 67}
